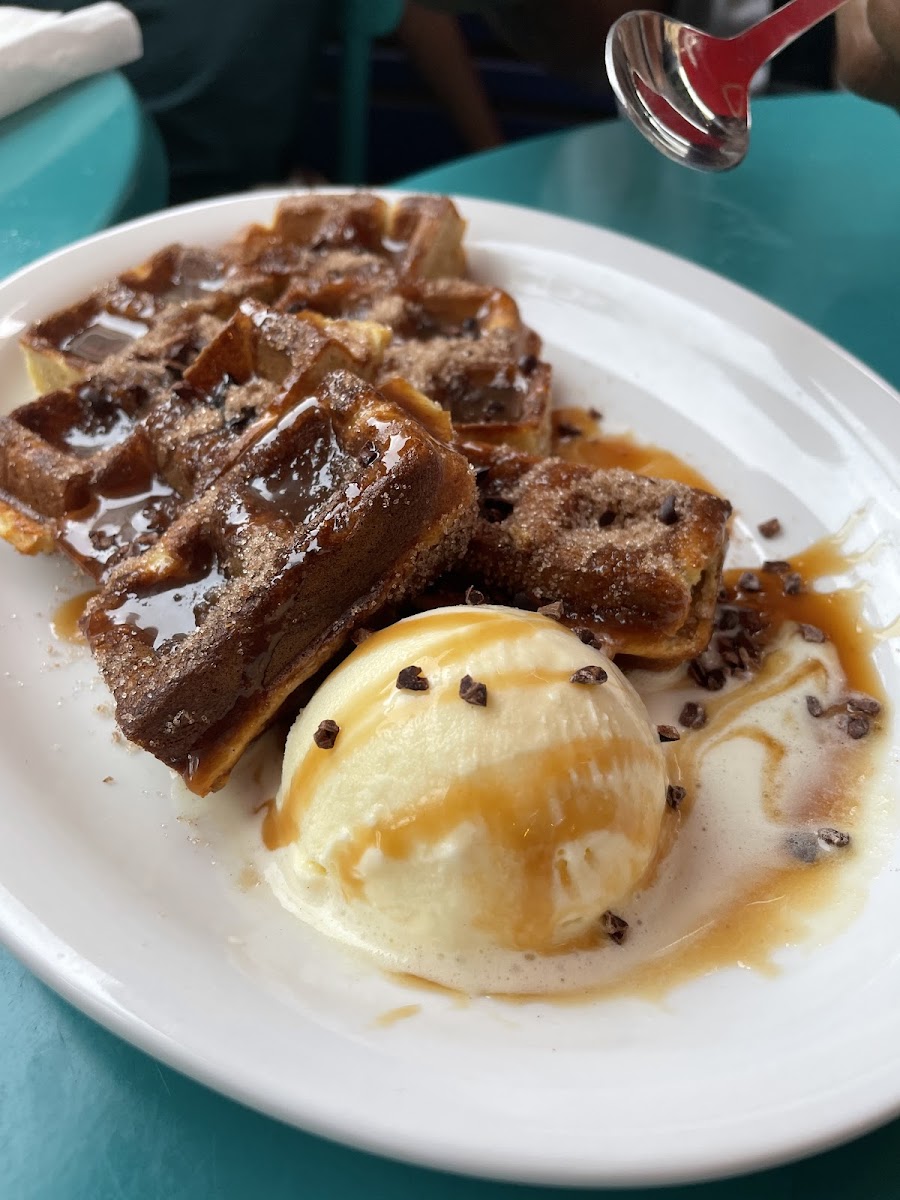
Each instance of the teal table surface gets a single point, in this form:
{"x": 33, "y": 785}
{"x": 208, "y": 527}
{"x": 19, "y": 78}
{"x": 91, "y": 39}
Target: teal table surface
{"x": 813, "y": 222}
{"x": 73, "y": 163}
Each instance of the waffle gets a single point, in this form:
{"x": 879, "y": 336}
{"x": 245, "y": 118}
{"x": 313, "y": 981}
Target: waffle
{"x": 461, "y": 343}
{"x": 101, "y": 469}
{"x": 635, "y": 562}
{"x": 322, "y": 238}
{"x": 71, "y": 344}
{"x": 351, "y": 499}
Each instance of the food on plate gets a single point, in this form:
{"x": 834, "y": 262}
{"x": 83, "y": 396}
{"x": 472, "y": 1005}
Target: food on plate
{"x": 345, "y": 502}
{"x": 635, "y": 561}
{"x": 471, "y": 784}
{"x": 264, "y": 453}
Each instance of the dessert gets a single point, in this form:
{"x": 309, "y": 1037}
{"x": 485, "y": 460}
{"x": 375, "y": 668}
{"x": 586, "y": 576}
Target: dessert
{"x": 470, "y": 786}
{"x": 635, "y": 562}
{"x": 345, "y": 502}
{"x": 261, "y": 453}
{"x": 328, "y": 241}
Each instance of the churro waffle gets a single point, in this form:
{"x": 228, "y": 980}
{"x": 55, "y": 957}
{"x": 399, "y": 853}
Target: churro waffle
{"x": 100, "y": 469}
{"x": 461, "y": 343}
{"x": 634, "y": 562}
{"x": 324, "y": 240}
{"x": 348, "y": 501}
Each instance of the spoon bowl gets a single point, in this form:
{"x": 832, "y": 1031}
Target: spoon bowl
{"x": 687, "y": 91}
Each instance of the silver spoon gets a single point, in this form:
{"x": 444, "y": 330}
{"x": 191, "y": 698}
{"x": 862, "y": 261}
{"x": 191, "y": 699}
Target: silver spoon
{"x": 688, "y": 92}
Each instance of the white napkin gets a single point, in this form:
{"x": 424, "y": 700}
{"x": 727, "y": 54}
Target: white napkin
{"x": 41, "y": 52}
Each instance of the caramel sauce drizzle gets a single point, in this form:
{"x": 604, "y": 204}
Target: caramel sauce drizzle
{"x": 597, "y": 449}
{"x": 65, "y": 621}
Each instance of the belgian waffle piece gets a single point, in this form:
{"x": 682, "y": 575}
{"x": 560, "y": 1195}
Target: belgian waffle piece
{"x": 348, "y": 501}
{"x": 71, "y": 344}
{"x": 633, "y": 562}
{"x": 326, "y": 240}
{"x": 101, "y": 469}
{"x": 461, "y": 343}
{"x": 322, "y": 246}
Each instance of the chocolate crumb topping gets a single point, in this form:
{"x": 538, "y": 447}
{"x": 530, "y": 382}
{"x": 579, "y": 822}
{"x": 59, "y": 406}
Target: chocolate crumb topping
{"x": 674, "y": 795}
{"x": 803, "y": 844}
{"x": 858, "y": 727}
{"x": 776, "y": 566}
{"x": 473, "y": 692}
{"x": 411, "y": 679}
{"x": 668, "y": 733}
{"x": 554, "y": 610}
{"x": 692, "y": 715}
{"x": 711, "y": 678}
{"x": 864, "y": 704}
{"x": 770, "y": 528}
{"x": 614, "y": 926}
{"x": 834, "y": 837}
{"x": 590, "y": 674}
{"x": 667, "y": 512}
{"x": 368, "y": 454}
{"x": 749, "y": 582}
{"x": 793, "y": 584}
{"x": 473, "y": 596}
{"x": 589, "y": 638}
{"x": 814, "y": 706}
{"x": 358, "y": 636}
{"x": 565, "y": 430}
{"x": 811, "y": 633}
{"x": 326, "y": 735}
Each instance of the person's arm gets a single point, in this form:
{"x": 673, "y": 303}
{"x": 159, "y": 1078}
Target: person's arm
{"x": 568, "y": 36}
{"x": 868, "y": 49}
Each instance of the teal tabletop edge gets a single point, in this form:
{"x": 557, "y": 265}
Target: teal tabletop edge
{"x": 74, "y": 163}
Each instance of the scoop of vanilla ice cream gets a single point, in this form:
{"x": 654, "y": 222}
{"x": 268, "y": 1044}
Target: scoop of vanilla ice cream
{"x": 459, "y": 840}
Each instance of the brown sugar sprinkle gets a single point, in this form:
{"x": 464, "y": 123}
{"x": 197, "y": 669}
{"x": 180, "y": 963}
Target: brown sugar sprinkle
{"x": 811, "y": 633}
{"x": 473, "y": 596}
{"x": 590, "y": 674}
{"x": 692, "y": 715}
{"x": 814, "y": 706}
{"x": 834, "y": 837}
{"x": 793, "y": 584}
{"x": 749, "y": 582}
{"x": 614, "y": 926}
{"x": 770, "y": 528}
{"x": 667, "y": 512}
{"x": 857, "y": 727}
{"x": 668, "y": 733}
{"x": 554, "y": 610}
{"x": 326, "y": 735}
{"x": 674, "y": 795}
{"x": 358, "y": 636}
{"x": 776, "y": 566}
{"x": 565, "y": 430}
{"x": 863, "y": 704}
{"x": 411, "y": 679}
{"x": 473, "y": 692}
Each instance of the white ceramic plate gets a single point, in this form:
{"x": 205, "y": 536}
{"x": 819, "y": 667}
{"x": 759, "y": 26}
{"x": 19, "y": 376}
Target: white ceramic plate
{"x": 138, "y": 915}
